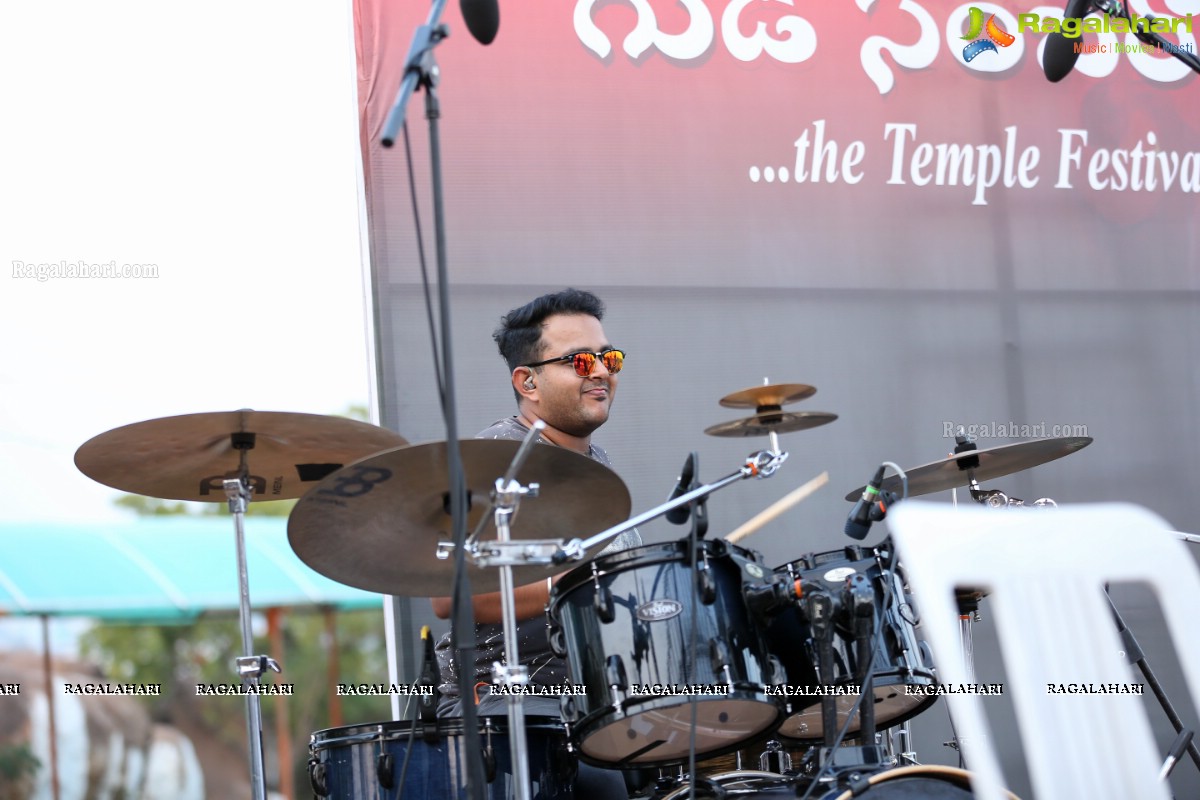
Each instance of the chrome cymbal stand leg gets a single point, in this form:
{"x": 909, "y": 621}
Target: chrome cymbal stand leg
{"x": 965, "y": 619}
{"x": 905, "y": 754}
{"x": 967, "y": 614}
{"x": 512, "y": 674}
{"x": 249, "y": 667}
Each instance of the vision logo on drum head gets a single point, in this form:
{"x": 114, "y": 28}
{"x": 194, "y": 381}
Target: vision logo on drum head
{"x": 658, "y": 610}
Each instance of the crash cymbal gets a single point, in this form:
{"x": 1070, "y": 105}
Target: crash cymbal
{"x": 376, "y": 524}
{"x": 772, "y": 421}
{"x": 187, "y": 457}
{"x": 768, "y": 396}
{"x": 994, "y": 462}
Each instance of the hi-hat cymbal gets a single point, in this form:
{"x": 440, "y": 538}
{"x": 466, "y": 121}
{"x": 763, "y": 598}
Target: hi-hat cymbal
{"x": 769, "y": 396}
{"x": 187, "y": 457}
{"x": 772, "y": 421}
{"x": 994, "y": 462}
{"x": 376, "y": 524}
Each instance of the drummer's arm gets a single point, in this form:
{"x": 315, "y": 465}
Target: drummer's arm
{"x": 530, "y": 601}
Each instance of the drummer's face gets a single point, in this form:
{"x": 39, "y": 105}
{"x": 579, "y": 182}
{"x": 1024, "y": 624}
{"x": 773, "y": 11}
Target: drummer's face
{"x": 573, "y": 404}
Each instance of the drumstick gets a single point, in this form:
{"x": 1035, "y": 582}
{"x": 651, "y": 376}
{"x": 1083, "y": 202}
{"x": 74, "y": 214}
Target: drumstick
{"x": 777, "y": 508}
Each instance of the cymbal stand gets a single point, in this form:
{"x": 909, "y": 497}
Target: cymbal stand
{"x": 512, "y": 674}
{"x": 249, "y": 667}
{"x": 897, "y": 745}
{"x": 761, "y": 464}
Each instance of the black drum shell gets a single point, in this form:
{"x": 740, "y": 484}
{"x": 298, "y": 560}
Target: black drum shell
{"x": 345, "y": 762}
{"x": 903, "y": 665}
{"x": 653, "y": 610}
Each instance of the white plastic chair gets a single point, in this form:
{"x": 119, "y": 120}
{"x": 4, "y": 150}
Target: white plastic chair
{"x": 1045, "y": 571}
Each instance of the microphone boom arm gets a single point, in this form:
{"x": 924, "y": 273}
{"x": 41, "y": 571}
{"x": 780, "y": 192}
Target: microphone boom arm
{"x": 762, "y": 464}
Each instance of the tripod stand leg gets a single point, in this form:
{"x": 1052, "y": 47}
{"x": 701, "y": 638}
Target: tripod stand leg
{"x": 1136, "y": 656}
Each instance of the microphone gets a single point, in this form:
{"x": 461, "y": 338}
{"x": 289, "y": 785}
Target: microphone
{"x": 1059, "y": 57}
{"x": 871, "y": 507}
{"x": 482, "y": 18}
{"x": 770, "y": 598}
{"x": 428, "y": 699}
{"x": 679, "y": 514}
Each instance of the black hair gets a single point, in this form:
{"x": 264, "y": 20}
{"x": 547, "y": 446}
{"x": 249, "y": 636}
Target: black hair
{"x": 519, "y": 336}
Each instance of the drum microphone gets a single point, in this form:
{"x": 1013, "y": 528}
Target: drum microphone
{"x": 871, "y": 507}
{"x": 680, "y": 514}
{"x": 770, "y": 598}
{"x": 429, "y": 674}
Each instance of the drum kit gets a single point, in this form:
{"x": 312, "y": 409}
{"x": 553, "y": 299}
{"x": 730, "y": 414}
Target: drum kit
{"x": 676, "y": 652}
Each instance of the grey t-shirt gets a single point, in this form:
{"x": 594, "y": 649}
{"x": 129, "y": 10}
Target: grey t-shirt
{"x": 533, "y": 643}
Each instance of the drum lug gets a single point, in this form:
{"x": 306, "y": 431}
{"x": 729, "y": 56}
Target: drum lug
{"x": 775, "y": 759}
{"x": 603, "y": 602}
{"x": 706, "y": 585}
{"x": 489, "y": 762}
{"x": 719, "y": 655}
{"x": 558, "y": 644}
{"x": 570, "y": 741}
{"x": 318, "y": 778}
{"x": 385, "y": 766}
{"x": 777, "y": 675}
{"x": 567, "y": 711}
{"x": 618, "y": 684}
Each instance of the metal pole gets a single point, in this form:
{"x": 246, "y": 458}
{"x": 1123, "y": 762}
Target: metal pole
{"x": 237, "y": 492}
{"x": 47, "y": 667}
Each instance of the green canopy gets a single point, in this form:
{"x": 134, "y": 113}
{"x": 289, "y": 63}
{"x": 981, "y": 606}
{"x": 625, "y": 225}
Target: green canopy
{"x": 157, "y": 569}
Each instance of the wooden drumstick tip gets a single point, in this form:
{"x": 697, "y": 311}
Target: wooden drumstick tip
{"x": 777, "y": 508}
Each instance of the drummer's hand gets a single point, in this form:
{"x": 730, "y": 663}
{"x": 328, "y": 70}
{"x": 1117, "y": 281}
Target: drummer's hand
{"x": 530, "y": 601}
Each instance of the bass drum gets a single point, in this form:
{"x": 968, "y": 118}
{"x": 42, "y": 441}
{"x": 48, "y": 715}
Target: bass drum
{"x": 914, "y": 783}
{"x": 903, "y": 671}
{"x": 392, "y": 760}
{"x": 650, "y": 654}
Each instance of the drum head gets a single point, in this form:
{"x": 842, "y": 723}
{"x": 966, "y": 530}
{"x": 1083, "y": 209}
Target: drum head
{"x": 893, "y": 705}
{"x": 664, "y": 734}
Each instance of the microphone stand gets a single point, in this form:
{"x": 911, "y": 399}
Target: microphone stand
{"x": 702, "y": 589}
{"x": 762, "y": 464}
{"x": 421, "y": 71}
{"x": 1136, "y": 656}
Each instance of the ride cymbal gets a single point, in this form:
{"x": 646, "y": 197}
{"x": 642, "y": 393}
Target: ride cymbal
{"x": 187, "y": 457}
{"x": 376, "y": 524}
{"x": 760, "y": 397}
{"x": 993, "y": 462}
{"x": 772, "y": 422}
